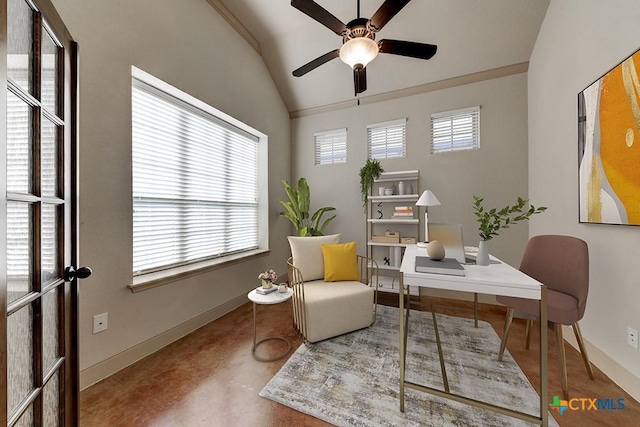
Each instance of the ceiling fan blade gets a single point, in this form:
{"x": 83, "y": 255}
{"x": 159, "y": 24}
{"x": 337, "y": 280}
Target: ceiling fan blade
{"x": 360, "y": 80}
{"x": 388, "y": 10}
{"x": 320, "y": 14}
{"x": 404, "y": 48}
{"x": 316, "y": 63}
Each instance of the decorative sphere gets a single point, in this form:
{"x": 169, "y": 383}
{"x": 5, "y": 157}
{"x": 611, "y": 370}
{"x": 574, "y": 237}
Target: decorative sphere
{"x": 435, "y": 250}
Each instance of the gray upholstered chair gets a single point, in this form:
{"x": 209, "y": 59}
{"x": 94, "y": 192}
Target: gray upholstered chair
{"x": 324, "y": 309}
{"x": 562, "y": 264}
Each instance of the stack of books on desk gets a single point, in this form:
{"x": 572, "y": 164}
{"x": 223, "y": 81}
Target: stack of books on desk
{"x": 449, "y": 266}
{"x": 402, "y": 212}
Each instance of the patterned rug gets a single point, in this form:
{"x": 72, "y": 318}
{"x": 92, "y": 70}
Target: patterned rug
{"x": 352, "y": 380}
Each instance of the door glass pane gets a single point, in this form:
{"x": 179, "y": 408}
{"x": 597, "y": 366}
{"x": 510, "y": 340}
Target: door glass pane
{"x": 49, "y": 68}
{"x": 49, "y": 159}
{"x": 19, "y": 356}
{"x": 49, "y": 243}
{"x": 26, "y": 420}
{"x": 18, "y": 145}
{"x": 20, "y": 43}
{"x": 49, "y": 329}
{"x": 51, "y": 401}
{"x": 19, "y": 254}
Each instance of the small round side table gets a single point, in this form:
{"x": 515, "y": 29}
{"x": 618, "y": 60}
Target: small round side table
{"x": 275, "y": 297}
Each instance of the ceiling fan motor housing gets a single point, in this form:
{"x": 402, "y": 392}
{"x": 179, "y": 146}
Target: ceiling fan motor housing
{"x": 358, "y": 28}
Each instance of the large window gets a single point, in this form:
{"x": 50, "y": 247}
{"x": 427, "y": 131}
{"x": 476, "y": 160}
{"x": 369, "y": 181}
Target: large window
{"x": 455, "y": 130}
{"x": 330, "y": 146}
{"x": 195, "y": 181}
{"x": 387, "y": 140}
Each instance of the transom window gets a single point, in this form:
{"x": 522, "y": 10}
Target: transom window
{"x": 387, "y": 140}
{"x": 455, "y": 130}
{"x": 331, "y": 146}
{"x": 195, "y": 180}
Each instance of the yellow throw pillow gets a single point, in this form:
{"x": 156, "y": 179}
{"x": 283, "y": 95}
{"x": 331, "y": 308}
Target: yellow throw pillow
{"x": 340, "y": 262}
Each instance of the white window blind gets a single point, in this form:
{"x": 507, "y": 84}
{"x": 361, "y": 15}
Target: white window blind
{"x": 195, "y": 183}
{"x": 455, "y": 130}
{"x": 331, "y": 146}
{"x": 387, "y": 140}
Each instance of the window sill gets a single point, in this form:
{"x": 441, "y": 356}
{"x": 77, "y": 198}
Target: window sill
{"x": 152, "y": 280}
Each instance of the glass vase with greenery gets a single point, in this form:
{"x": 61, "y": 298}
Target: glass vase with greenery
{"x": 297, "y": 210}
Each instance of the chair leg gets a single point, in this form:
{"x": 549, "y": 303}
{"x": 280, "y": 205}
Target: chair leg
{"x": 527, "y": 340}
{"x": 583, "y": 349}
{"x": 562, "y": 359}
{"x": 505, "y": 333}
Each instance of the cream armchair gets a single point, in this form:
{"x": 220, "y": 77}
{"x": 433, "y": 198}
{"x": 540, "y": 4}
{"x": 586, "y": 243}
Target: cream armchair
{"x": 325, "y": 306}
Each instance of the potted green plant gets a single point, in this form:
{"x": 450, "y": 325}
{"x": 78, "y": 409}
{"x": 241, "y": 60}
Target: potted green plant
{"x": 493, "y": 221}
{"x": 297, "y": 210}
{"x": 369, "y": 173}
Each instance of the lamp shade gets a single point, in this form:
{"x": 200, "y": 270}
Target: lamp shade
{"x": 358, "y": 52}
{"x": 428, "y": 199}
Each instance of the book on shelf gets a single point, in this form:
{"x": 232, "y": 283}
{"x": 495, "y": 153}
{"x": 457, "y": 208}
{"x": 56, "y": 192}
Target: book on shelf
{"x": 403, "y": 210}
{"x": 449, "y": 266}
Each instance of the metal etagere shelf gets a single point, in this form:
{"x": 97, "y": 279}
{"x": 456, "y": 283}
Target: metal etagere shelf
{"x": 402, "y": 190}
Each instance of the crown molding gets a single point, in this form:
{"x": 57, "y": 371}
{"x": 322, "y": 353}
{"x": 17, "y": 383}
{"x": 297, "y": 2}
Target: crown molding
{"x": 466, "y": 79}
{"x": 235, "y": 24}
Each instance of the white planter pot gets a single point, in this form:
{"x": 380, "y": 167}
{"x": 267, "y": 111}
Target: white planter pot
{"x": 483, "y": 253}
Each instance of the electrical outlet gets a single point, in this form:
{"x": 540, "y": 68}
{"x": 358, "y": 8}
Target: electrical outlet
{"x": 632, "y": 337}
{"x": 100, "y": 322}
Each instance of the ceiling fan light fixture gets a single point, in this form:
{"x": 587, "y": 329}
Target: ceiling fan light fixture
{"x": 358, "y": 52}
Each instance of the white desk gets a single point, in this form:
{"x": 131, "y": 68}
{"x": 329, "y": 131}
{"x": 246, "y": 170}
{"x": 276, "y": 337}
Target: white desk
{"x": 494, "y": 279}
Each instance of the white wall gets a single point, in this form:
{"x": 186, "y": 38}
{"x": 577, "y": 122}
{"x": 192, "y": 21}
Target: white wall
{"x": 579, "y": 41}
{"x": 188, "y": 45}
{"x": 498, "y": 171}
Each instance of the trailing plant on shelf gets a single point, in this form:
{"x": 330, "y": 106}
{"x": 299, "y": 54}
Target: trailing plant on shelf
{"x": 297, "y": 210}
{"x": 493, "y": 221}
{"x": 369, "y": 173}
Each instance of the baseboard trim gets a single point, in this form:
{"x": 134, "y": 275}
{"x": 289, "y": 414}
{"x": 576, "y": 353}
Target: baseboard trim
{"x": 616, "y": 372}
{"x": 113, "y": 364}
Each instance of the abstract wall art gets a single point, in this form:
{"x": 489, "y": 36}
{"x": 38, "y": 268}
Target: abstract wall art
{"x": 609, "y": 146}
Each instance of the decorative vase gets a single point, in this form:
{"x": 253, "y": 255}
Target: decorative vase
{"x": 435, "y": 250}
{"x": 483, "y": 254}
{"x": 381, "y": 191}
{"x": 266, "y": 284}
{"x": 401, "y": 188}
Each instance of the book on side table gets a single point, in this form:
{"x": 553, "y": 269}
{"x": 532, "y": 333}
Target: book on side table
{"x": 449, "y": 266}
{"x": 263, "y": 291}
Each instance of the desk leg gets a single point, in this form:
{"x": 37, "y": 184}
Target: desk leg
{"x": 544, "y": 374}
{"x": 475, "y": 309}
{"x": 403, "y": 349}
{"x": 443, "y": 368}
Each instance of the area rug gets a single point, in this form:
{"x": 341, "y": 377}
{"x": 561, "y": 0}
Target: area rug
{"x": 353, "y": 379}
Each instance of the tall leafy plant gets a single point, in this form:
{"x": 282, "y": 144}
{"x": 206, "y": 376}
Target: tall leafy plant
{"x": 297, "y": 210}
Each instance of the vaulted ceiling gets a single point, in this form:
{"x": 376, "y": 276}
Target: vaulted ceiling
{"x": 472, "y": 36}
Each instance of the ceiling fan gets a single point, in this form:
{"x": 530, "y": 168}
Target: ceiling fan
{"x": 358, "y": 39}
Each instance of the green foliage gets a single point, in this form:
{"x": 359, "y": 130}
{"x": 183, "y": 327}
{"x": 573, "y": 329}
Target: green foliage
{"x": 493, "y": 221}
{"x": 297, "y": 210}
{"x": 368, "y": 173}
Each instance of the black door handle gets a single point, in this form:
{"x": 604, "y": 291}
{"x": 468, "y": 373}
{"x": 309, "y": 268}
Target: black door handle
{"x": 71, "y": 274}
